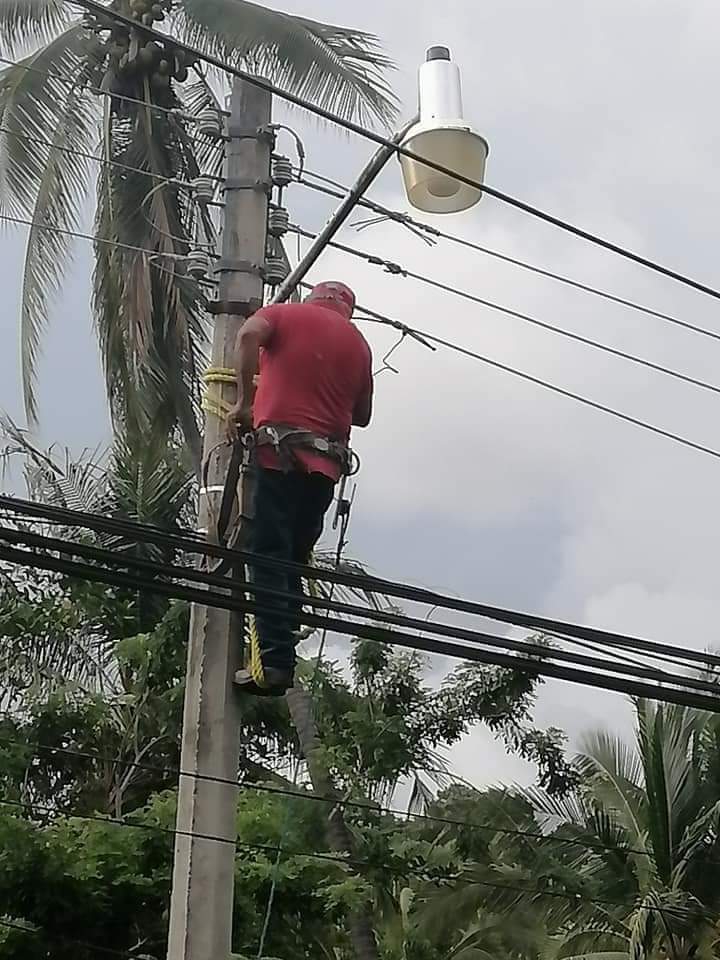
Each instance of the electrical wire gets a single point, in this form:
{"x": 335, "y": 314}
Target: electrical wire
{"x": 373, "y": 315}
{"x": 396, "y": 270}
{"x": 406, "y": 220}
{"x": 106, "y": 161}
{"x": 154, "y": 569}
{"x": 51, "y": 75}
{"x": 427, "y": 339}
{"x": 395, "y": 215}
{"x": 71, "y": 942}
{"x": 342, "y": 861}
{"x": 397, "y": 148}
{"x": 22, "y": 221}
{"x": 192, "y": 543}
{"x": 535, "y": 666}
{"x": 38, "y": 749}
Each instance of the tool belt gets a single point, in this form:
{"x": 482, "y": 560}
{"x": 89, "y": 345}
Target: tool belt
{"x": 287, "y": 440}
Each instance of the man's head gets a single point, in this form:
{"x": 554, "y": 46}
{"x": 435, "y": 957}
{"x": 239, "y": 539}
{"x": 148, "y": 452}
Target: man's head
{"x": 334, "y": 294}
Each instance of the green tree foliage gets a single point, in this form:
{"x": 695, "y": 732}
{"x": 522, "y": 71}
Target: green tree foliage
{"x": 91, "y": 693}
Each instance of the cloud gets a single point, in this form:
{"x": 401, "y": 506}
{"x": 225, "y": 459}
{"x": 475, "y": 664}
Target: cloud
{"x": 476, "y": 481}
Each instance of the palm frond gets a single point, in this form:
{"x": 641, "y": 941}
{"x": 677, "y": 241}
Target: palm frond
{"x": 148, "y": 317}
{"x": 336, "y": 67}
{"x": 421, "y": 796}
{"x": 43, "y": 179}
{"x": 613, "y": 770}
{"x": 666, "y": 734}
{"x": 554, "y": 810}
{"x": 29, "y": 22}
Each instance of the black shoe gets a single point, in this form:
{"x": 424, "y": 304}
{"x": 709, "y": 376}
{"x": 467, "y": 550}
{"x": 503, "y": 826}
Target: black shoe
{"x": 275, "y": 685}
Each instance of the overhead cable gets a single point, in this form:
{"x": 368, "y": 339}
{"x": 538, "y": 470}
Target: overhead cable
{"x": 105, "y": 161}
{"x": 373, "y": 315}
{"x": 363, "y": 806}
{"x": 396, "y": 270}
{"x": 405, "y": 219}
{"x": 113, "y": 15}
{"x": 71, "y": 81}
{"x": 153, "y": 569}
{"x": 427, "y": 339}
{"x": 430, "y": 876}
{"x": 194, "y": 543}
{"x": 535, "y": 666}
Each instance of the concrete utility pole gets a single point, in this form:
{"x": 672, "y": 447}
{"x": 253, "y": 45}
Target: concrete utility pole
{"x": 202, "y": 892}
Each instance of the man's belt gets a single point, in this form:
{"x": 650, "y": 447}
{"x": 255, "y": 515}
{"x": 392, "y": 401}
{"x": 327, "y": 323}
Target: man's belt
{"x": 286, "y": 440}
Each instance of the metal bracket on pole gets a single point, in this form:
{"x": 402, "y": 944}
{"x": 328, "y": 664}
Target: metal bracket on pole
{"x": 236, "y": 308}
{"x": 266, "y": 133}
{"x": 228, "y": 265}
{"x": 248, "y": 183}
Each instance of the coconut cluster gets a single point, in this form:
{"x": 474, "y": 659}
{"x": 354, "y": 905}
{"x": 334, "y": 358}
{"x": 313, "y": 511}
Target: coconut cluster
{"x": 133, "y": 56}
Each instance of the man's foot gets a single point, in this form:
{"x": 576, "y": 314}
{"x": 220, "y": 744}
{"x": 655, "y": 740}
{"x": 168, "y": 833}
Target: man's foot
{"x": 275, "y": 685}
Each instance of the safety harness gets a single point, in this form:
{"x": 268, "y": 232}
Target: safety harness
{"x": 286, "y": 441}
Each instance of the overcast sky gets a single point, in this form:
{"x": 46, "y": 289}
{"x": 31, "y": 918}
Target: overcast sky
{"x": 474, "y": 481}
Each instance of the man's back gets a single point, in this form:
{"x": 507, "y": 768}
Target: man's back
{"x": 314, "y": 370}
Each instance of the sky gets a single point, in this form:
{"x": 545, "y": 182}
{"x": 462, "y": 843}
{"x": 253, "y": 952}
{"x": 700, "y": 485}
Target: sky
{"x": 473, "y": 481}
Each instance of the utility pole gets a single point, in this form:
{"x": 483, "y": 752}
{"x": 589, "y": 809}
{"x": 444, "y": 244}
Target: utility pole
{"x": 203, "y": 874}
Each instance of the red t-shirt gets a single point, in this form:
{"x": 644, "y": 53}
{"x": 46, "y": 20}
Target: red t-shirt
{"x": 314, "y": 370}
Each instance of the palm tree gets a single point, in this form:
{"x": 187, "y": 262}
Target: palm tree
{"x": 649, "y": 815}
{"x": 83, "y": 86}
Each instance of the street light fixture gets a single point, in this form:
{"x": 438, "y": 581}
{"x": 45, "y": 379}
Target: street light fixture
{"x": 444, "y": 137}
{"x": 437, "y": 133}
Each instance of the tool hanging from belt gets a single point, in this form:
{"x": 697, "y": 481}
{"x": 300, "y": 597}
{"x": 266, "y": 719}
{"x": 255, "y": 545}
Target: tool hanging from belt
{"x": 286, "y": 441}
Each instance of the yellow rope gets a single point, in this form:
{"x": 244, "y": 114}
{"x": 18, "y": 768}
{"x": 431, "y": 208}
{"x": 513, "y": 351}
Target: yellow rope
{"x": 256, "y": 665}
{"x": 220, "y": 375}
{"x": 212, "y": 402}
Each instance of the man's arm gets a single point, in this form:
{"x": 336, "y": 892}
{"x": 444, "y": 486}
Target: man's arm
{"x": 254, "y": 334}
{"x": 362, "y": 412}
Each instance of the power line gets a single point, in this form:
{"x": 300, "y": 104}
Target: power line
{"x": 547, "y": 385}
{"x": 172, "y": 111}
{"x": 347, "y": 861}
{"x": 365, "y": 806}
{"x": 396, "y": 270}
{"x": 192, "y": 543}
{"x": 395, "y": 215}
{"x": 153, "y": 569}
{"x": 353, "y": 127}
{"x": 22, "y": 221}
{"x": 405, "y": 219}
{"x": 34, "y": 929}
{"x": 106, "y": 161}
{"x": 267, "y": 848}
{"x": 535, "y": 666}
{"x": 414, "y": 332}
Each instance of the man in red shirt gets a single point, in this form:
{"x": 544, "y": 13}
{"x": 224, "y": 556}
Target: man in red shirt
{"x": 314, "y": 384}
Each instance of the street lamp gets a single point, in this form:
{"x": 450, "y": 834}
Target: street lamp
{"x": 443, "y": 136}
{"x": 439, "y": 134}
